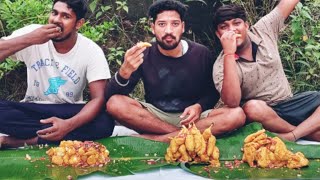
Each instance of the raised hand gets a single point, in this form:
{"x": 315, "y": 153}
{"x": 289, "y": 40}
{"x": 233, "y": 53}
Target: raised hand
{"x": 44, "y": 33}
{"x": 229, "y": 42}
{"x": 132, "y": 60}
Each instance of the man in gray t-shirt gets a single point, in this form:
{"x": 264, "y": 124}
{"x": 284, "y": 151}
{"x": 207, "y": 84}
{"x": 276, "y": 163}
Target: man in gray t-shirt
{"x": 249, "y": 72}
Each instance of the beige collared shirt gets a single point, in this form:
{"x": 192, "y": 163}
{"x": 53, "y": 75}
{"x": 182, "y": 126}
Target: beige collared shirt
{"x": 263, "y": 79}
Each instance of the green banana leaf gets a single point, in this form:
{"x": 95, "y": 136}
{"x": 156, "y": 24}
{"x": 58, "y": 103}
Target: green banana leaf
{"x": 230, "y": 145}
{"x": 230, "y": 150}
{"x": 130, "y": 155}
{"x": 245, "y": 172}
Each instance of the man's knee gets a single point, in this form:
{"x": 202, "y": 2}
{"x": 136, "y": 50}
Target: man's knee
{"x": 115, "y": 103}
{"x": 233, "y": 118}
{"x": 254, "y": 108}
{"x": 236, "y": 117}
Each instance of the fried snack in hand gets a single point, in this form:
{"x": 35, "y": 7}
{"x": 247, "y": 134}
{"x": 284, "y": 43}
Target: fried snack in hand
{"x": 266, "y": 152}
{"x": 79, "y": 154}
{"x": 143, "y": 44}
{"x": 192, "y": 146}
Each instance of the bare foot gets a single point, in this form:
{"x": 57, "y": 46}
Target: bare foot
{"x": 11, "y": 142}
{"x": 287, "y": 136}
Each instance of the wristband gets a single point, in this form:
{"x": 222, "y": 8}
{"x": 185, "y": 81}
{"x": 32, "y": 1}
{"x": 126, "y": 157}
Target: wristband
{"x": 118, "y": 82}
{"x": 231, "y": 54}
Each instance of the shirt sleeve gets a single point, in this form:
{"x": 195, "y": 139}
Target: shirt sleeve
{"x": 271, "y": 23}
{"x": 217, "y": 73}
{"x": 98, "y": 67}
{"x": 119, "y": 85}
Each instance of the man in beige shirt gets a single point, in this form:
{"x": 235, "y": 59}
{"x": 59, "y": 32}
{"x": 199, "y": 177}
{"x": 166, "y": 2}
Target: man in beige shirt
{"x": 249, "y": 73}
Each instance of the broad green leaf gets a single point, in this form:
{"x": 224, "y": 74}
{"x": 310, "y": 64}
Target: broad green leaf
{"x": 231, "y": 144}
{"x": 128, "y": 155}
{"x": 230, "y": 149}
{"x": 245, "y": 172}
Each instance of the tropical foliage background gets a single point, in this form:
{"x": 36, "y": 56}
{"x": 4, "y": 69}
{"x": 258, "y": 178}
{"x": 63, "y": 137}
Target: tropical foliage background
{"x": 116, "y": 25}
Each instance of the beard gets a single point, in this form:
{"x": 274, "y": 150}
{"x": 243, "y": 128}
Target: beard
{"x": 60, "y": 39}
{"x": 162, "y": 43}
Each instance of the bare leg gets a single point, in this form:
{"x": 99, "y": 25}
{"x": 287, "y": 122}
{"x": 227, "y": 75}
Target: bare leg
{"x": 309, "y": 128}
{"x": 223, "y": 119}
{"x": 259, "y": 111}
{"x": 11, "y": 142}
{"x": 130, "y": 113}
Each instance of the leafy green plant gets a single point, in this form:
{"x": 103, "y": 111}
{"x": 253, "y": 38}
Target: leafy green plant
{"x": 122, "y": 5}
{"x": 8, "y": 66}
{"x": 18, "y": 13}
{"x": 116, "y": 55}
{"x": 300, "y": 48}
{"x": 98, "y": 33}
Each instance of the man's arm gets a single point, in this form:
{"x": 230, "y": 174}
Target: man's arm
{"x": 61, "y": 127}
{"x": 11, "y": 46}
{"x": 231, "y": 91}
{"x": 93, "y": 107}
{"x": 287, "y": 6}
{"x": 38, "y": 36}
{"x": 124, "y": 81}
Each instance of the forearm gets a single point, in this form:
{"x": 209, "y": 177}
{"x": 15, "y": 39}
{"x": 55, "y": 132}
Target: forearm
{"x": 119, "y": 85}
{"x": 87, "y": 113}
{"x": 287, "y": 6}
{"x": 231, "y": 92}
{"x": 11, "y": 46}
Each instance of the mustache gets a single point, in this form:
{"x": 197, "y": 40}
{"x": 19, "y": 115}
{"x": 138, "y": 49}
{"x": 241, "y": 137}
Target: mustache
{"x": 168, "y": 35}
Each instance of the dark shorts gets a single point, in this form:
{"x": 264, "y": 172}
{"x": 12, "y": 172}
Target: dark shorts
{"x": 299, "y": 107}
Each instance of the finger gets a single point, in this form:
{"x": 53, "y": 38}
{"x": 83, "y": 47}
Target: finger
{"x": 49, "y": 26}
{"x": 46, "y": 121}
{"x": 225, "y": 34}
{"x": 135, "y": 49}
{"x": 186, "y": 121}
{"x": 137, "y": 61}
{"x": 184, "y": 114}
{"x": 230, "y": 34}
{"x": 48, "y": 136}
{"x": 54, "y": 31}
{"x": 47, "y": 130}
{"x": 138, "y": 53}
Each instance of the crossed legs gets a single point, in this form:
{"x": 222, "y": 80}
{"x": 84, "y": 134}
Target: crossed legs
{"x": 259, "y": 111}
{"x": 131, "y": 113}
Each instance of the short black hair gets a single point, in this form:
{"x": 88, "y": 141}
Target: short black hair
{"x": 228, "y": 12}
{"x": 78, "y": 6}
{"x": 166, "y": 5}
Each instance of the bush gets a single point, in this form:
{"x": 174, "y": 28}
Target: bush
{"x": 300, "y": 48}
